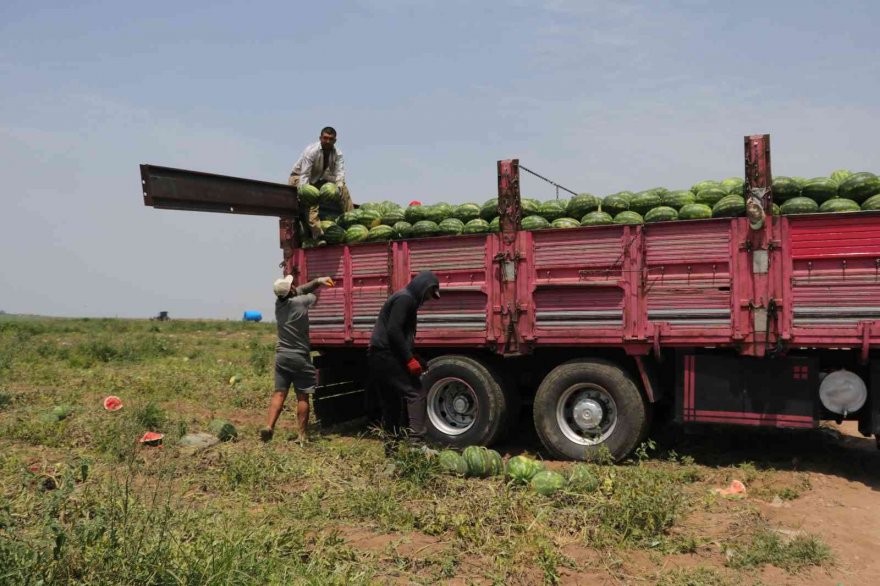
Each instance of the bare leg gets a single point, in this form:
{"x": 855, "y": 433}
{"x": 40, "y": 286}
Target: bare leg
{"x": 275, "y": 407}
{"x": 302, "y": 416}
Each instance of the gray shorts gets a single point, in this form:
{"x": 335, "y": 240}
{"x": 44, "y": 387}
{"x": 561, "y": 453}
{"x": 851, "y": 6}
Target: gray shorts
{"x": 292, "y": 368}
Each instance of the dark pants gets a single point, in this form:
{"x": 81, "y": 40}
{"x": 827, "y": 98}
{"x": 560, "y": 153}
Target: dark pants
{"x": 402, "y": 398}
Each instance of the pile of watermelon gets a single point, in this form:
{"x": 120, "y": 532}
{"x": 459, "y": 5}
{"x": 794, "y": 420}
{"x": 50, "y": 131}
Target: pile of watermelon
{"x": 842, "y": 191}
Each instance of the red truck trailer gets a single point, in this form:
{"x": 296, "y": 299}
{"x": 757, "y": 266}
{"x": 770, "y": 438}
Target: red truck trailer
{"x": 719, "y": 321}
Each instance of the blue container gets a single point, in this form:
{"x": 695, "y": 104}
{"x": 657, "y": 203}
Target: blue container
{"x": 252, "y": 316}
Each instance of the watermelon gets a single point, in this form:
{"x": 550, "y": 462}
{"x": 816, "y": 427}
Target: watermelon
{"x": 729, "y": 206}
{"x": 799, "y": 181}
{"x": 694, "y": 211}
{"x": 547, "y": 482}
{"x": 329, "y": 193}
{"x": 709, "y": 184}
{"x": 333, "y": 232}
{"x": 785, "y": 188}
{"x": 841, "y": 175}
{"x": 392, "y": 216}
{"x": 677, "y": 199}
{"x": 644, "y": 201}
{"x": 425, "y": 228}
{"x": 151, "y": 438}
{"x": 582, "y": 479}
{"x": 710, "y": 196}
{"x": 529, "y": 207}
{"x": 562, "y": 223}
{"x": 489, "y": 209}
{"x": 820, "y": 189}
{"x": 495, "y": 224}
{"x": 452, "y": 463}
{"x": 356, "y": 233}
{"x": 349, "y": 219}
{"x": 57, "y": 413}
{"x": 661, "y": 214}
{"x": 112, "y": 403}
{"x": 624, "y": 195}
{"x": 534, "y": 223}
{"x": 380, "y": 233}
{"x": 733, "y": 185}
{"x": 629, "y": 217}
{"x": 799, "y": 205}
{"x": 616, "y": 203}
{"x": 402, "y": 229}
{"x": 478, "y": 461}
{"x": 451, "y": 227}
{"x": 582, "y": 204}
{"x": 223, "y": 430}
{"x": 522, "y": 468}
{"x": 838, "y": 204}
{"x": 496, "y": 464}
{"x": 369, "y": 218}
{"x": 476, "y": 226}
{"x": 415, "y": 213}
{"x": 775, "y": 210}
{"x": 466, "y": 212}
{"x": 872, "y": 203}
{"x": 596, "y": 218}
{"x": 387, "y": 207}
{"x": 440, "y": 211}
{"x": 308, "y": 195}
{"x": 659, "y": 191}
{"x": 859, "y": 187}
{"x": 552, "y": 210}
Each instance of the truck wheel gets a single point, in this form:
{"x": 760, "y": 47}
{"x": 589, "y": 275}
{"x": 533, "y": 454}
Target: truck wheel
{"x": 467, "y": 404}
{"x": 583, "y": 405}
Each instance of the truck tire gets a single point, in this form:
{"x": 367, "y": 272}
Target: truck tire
{"x": 583, "y": 405}
{"x": 467, "y": 403}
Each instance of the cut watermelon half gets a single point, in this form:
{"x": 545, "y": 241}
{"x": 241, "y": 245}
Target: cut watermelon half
{"x": 112, "y": 403}
{"x": 151, "y": 438}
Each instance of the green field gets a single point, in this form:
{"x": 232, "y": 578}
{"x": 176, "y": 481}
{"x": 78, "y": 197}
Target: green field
{"x": 81, "y": 501}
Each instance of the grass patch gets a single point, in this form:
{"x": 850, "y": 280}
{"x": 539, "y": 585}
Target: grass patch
{"x": 769, "y": 547}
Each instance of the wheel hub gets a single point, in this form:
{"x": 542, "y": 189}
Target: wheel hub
{"x": 461, "y": 404}
{"x": 587, "y": 414}
{"x": 452, "y": 406}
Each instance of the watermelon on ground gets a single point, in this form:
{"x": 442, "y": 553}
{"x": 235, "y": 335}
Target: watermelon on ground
{"x": 415, "y": 213}
{"x": 552, "y": 210}
{"x": 496, "y": 464}
{"x": 859, "y": 186}
{"x": 616, "y": 203}
{"x": 522, "y": 468}
{"x": 476, "y": 226}
{"x": 547, "y": 482}
{"x": 629, "y": 217}
{"x": 489, "y": 209}
{"x": 308, "y": 195}
{"x": 644, "y": 201}
{"x": 677, "y": 199}
{"x": 730, "y": 206}
{"x": 694, "y": 211}
{"x": 799, "y": 205}
{"x": 452, "y": 463}
{"x": 820, "y": 189}
{"x": 223, "y": 429}
{"x": 534, "y": 223}
{"x": 581, "y": 478}
{"x": 838, "y": 204}
{"x": 356, "y": 233}
{"x": 871, "y": 204}
{"x": 425, "y": 228}
{"x": 785, "y": 188}
{"x": 466, "y": 212}
{"x": 478, "y": 462}
{"x": 582, "y": 204}
{"x": 451, "y": 227}
{"x": 596, "y": 219}
{"x": 402, "y": 229}
{"x": 563, "y": 223}
{"x": 661, "y": 214}
{"x": 380, "y": 233}
{"x": 710, "y": 196}
{"x": 329, "y": 193}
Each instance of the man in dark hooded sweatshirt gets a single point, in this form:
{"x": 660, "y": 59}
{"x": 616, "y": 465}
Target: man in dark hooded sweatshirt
{"x": 394, "y": 369}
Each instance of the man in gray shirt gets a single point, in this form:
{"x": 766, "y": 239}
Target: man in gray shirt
{"x": 293, "y": 362}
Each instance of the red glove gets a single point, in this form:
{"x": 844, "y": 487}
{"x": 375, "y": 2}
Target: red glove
{"x": 414, "y": 367}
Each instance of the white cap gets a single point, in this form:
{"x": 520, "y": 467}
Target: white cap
{"x": 282, "y": 286}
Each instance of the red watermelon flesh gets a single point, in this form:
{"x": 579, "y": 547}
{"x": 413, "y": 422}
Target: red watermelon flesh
{"x": 152, "y": 438}
{"x": 112, "y": 403}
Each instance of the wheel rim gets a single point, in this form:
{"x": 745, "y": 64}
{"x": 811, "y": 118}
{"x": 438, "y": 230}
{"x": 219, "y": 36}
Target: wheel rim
{"x": 586, "y": 414}
{"x": 452, "y": 406}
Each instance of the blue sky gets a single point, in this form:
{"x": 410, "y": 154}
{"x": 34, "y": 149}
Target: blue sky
{"x": 601, "y": 96}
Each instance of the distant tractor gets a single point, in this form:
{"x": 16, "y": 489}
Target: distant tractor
{"x": 163, "y": 316}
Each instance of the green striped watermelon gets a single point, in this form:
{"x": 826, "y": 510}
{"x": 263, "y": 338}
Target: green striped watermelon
{"x": 402, "y": 229}
{"x": 530, "y": 207}
{"x": 730, "y": 206}
{"x": 452, "y": 463}
{"x": 710, "y": 196}
{"x": 451, "y": 227}
{"x": 478, "y": 461}
{"x": 547, "y": 482}
{"x": 799, "y": 205}
{"x": 329, "y": 193}
{"x": 415, "y": 213}
{"x": 677, "y": 199}
{"x": 552, "y": 210}
{"x": 581, "y": 478}
{"x": 661, "y": 214}
{"x": 495, "y": 224}
{"x": 859, "y": 186}
{"x": 629, "y": 217}
{"x": 333, "y": 232}
{"x": 370, "y": 218}
{"x": 582, "y": 204}
{"x": 841, "y": 175}
{"x": 466, "y": 212}
{"x": 733, "y": 185}
{"x": 616, "y": 203}
{"x": 709, "y": 184}
{"x": 872, "y": 204}
{"x": 534, "y": 223}
{"x": 391, "y": 217}
{"x": 562, "y": 223}
{"x": 309, "y": 195}
{"x": 644, "y": 201}
{"x": 380, "y": 233}
{"x": 489, "y": 209}
{"x": 425, "y": 228}
{"x": 775, "y": 210}
{"x": 838, "y": 204}
{"x": 356, "y": 233}
{"x": 476, "y": 226}
{"x": 597, "y": 218}
{"x": 785, "y": 188}
{"x": 522, "y": 468}
{"x": 820, "y": 189}
{"x": 694, "y": 211}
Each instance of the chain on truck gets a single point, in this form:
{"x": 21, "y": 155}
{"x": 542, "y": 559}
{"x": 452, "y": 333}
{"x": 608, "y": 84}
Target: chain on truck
{"x": 757, "y": 321}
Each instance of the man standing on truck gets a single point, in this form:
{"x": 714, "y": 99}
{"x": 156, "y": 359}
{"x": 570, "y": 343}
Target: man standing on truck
{"x": 293, "y": 361}
{"x": 321, "y": 162}
{"x": 395, "y": 371}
